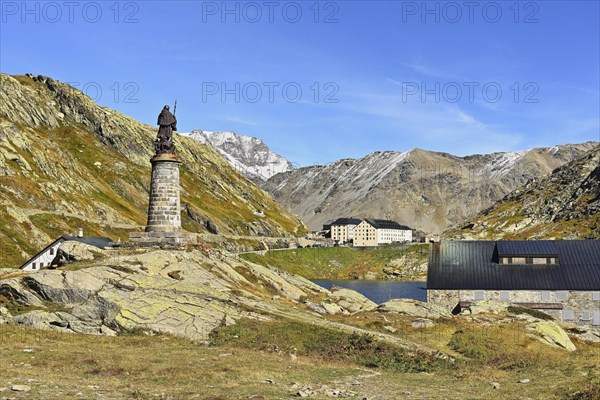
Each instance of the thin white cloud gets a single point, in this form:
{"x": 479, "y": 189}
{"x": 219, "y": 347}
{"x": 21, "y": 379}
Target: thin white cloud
{"x": 233, "y": 118}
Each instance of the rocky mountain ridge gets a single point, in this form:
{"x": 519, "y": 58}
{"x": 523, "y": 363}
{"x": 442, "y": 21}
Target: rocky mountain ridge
{"x": 425, "y": 190}
{"x": 66, "y": 162}
{"x": 563, "y": 205}
{"x": 249, "y": 155}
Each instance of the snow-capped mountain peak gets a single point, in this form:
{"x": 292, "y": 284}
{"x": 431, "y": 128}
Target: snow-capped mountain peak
{"x": 249, "y": 155}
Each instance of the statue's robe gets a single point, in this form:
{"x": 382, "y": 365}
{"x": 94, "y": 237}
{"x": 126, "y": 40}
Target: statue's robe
{"x": 168, "y": 124}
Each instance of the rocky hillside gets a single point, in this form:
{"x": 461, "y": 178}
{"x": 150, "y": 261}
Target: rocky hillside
{"x": 249, "y": 155}
{"x": 185, "y": 293}
{"x": 66, "y": 162}
{"x": 564, "y": 205}
{"x": 425, "y": 190}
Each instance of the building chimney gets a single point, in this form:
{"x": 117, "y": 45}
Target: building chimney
{"x": 79, "y": 232}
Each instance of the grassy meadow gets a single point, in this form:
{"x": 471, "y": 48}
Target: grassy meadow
{"x": 342, "y": 262}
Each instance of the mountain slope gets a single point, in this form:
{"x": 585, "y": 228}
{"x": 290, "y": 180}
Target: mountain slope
{"x": 425, "y": 190}
{"x": 564, "y": 205}
{"x": 66, "y": 162}
{"x": 249, "y": 155}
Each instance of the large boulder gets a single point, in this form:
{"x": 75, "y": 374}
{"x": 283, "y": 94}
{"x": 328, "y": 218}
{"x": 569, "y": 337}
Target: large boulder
{"x": 13, "y": 290}
{"x": 414, "y": 308}
{"x": 549, "y": 332}
{"x": 351, "y": 300}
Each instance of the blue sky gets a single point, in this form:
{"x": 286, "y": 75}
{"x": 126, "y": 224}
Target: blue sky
{"x": 320, "y": 81}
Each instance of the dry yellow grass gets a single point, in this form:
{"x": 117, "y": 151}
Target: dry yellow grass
{"x": 72, "y": 366}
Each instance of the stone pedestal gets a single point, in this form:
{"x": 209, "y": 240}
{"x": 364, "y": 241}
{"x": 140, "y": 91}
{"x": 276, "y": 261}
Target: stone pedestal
{"x": 164, "y": 209}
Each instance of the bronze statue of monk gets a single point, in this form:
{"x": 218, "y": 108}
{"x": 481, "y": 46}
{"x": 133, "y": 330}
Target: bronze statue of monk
{"x": 164, "y": 139}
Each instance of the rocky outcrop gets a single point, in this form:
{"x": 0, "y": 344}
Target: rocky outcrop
{"x": 185, "y": 293}
{"x": 563, "y": 205}
{"x": 414, "y": 308}
{"x": 425, "y": 190}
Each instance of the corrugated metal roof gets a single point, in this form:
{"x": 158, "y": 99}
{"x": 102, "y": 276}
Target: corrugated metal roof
{"x": 472, "y": 265}
{"x": 526, "y": 248}
{"x": 99, "y": 242}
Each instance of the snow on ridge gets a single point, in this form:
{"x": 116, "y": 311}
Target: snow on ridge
{"x": 502, "y": 164}
{"x": 249, "y": 155}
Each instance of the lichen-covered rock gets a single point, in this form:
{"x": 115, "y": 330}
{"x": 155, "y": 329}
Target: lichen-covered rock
{"x": 549, "y": 332}
{"x": 414, "y": 308}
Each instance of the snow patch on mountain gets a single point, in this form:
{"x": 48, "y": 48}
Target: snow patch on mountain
{"x": 249, "y": 155}
{"x": 503, "y": 163}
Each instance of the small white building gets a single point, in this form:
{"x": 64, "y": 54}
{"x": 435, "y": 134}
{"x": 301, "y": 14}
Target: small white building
{"x": 49, "y": 255}
{"x": 373, "y": 232}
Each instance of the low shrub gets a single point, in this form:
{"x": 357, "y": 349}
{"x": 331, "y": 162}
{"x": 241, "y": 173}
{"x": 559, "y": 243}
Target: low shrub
{"x": 530, "y": 311}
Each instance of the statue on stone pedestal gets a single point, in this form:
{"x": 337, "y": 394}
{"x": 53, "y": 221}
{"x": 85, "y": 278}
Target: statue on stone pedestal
{"x": 164, "y": 140}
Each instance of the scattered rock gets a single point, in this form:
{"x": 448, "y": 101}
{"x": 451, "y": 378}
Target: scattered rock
{"x": 390, "y": 329}
{"x": 105, "y": 330}
{"x": 523, "y": 380}
{"x": 370, "y": 276}
{"x": 176, "y": 275}
{"x": 315, "y": 307}
{"x": 21, "y": 388}
{"x": 333, "y": 309}
{"x": 27, "y": 350}
{"x": 422, "y": 323}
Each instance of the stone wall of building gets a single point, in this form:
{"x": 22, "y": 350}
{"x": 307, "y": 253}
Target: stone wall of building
{"x": 580, "y": 307}
{"x": 164, "y": 212}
